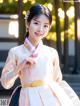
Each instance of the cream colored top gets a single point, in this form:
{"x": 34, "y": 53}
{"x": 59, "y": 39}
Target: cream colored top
{"x": 46, "y": 67}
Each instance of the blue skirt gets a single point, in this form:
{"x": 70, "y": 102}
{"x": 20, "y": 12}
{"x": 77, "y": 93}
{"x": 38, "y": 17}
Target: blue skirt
{"x": 14, "y": 100}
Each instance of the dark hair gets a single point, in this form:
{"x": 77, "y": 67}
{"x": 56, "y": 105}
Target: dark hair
{"x": 37, "y": 10}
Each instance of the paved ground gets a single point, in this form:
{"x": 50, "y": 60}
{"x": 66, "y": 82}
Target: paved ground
{"x": 4, "y": 101}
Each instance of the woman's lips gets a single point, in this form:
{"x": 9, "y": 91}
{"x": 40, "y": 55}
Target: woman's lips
{"x": 39, "y": 34}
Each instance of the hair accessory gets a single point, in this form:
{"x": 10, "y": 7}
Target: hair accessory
{"x": 26, "y": 16}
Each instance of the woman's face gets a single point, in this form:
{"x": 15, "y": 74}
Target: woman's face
{"x": 38, "y": 28}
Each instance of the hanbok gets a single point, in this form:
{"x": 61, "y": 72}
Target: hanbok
{"x": 42, "y": 85}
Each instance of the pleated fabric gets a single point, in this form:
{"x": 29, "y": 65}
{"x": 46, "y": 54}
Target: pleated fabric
{"x": 38, "y": 96}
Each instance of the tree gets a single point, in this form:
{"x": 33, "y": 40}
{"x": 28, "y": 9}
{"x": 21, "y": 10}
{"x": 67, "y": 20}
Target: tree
{"x": 56, "y": 2}
{"x": 76, "y": 5}
{"x": 65, "y": 39}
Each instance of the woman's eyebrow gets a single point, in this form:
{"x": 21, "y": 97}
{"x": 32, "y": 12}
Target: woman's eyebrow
{"x": 35, "y": 19}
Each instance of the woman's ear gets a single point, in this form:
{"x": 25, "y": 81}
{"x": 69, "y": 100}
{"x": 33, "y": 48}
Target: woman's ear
{"x": 50, "y": 26}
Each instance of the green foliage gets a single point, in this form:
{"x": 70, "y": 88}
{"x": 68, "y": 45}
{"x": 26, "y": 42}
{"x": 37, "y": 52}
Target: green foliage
{"x": 8, "y": 8}
{"x": 12, "y": 6}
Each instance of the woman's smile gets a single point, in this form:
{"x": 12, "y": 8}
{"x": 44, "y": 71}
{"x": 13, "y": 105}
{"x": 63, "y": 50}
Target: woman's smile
{"x": 39, "y": 34}
{"x": 38, "y": 28}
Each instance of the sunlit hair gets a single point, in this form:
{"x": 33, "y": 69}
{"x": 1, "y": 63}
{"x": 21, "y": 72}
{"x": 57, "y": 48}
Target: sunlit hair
{"x": 37, "y": 10}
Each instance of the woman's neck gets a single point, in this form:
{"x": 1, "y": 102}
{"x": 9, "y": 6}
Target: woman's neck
{"x": 33, "y": 42}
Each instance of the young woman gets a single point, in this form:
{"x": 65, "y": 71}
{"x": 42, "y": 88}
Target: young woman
{"x": 37, "y": 66}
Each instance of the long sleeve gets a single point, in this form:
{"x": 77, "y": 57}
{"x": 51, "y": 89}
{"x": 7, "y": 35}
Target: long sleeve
{"x": 9, "y": 76}
{"x": 57, "y": 70}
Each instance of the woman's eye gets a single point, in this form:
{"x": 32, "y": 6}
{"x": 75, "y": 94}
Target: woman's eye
{"x": 46, "y": 26}
{"x": 36, "y": 23}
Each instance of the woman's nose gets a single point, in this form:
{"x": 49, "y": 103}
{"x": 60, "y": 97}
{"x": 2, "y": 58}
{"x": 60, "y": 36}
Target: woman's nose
{"x": 40, "y": 28}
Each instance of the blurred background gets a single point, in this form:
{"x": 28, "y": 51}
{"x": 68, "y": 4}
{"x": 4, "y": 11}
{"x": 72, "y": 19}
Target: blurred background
{"x": 64, "y": 36}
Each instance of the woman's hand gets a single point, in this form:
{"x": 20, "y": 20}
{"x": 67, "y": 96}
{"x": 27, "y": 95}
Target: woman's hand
{"x": 30, "y": 62}
{"x": 26, "y": 64}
